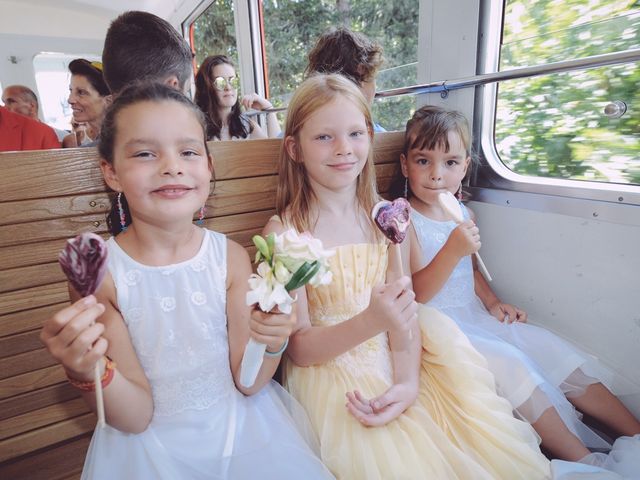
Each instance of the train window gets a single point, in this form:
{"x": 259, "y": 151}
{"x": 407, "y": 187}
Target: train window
{"x": 52, "y": 79}
{"x": 292, "y": 27}
{"x": 213, "y": 32}
{"x": 572, "y": 125}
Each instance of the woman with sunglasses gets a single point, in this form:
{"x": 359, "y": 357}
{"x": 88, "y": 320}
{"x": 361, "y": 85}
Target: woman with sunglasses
{"x": 217, "y": 96}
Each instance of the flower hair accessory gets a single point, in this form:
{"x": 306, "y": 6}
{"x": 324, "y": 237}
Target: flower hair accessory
{"x": 286, "y": 262}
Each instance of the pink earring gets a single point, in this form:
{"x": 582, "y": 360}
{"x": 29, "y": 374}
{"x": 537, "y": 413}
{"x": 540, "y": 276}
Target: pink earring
{"x": 123, "y": 219}
{"x": 459, "y": 193}
{"x": 200, "y": 220}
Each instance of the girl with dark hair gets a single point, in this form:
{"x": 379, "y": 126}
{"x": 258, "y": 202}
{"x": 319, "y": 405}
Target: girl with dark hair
{"x": 171, "y": 315}
{"x": 217, "y": 96}
{"x": 89, "y": 97}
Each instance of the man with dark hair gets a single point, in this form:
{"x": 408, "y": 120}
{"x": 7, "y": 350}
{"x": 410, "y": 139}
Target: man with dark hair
{"x": 141, "y": 46}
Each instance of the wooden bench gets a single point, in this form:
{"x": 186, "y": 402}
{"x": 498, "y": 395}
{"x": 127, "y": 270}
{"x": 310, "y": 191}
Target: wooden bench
{"x": 47, "y": 197}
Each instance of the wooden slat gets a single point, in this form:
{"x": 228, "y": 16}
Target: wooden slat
{"x": 31, "y": 381}
{"x": 33, "y": 297}
{"x": 25, "y": 362}
{"x": 31, "y": 276}
{"x": 29, "y": 401}
{"x": 44, "y": 230}
{"x": 62, "y": 461}
{"x": 43, "y": 437}
{"x": 42, "y": 417}
{"x": 26, "y": 320}
{"x": 20, "y": 343}
{"x": 50, "y": 173}
{"x": 23, "y": 211}
{"x": 25, "y": 255}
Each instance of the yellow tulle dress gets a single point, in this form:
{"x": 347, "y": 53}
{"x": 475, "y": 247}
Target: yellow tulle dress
{"x": 458, "y": 428}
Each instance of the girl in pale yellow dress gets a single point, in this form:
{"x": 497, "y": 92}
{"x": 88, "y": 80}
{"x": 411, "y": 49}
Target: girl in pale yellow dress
{"x": 393, "y": 390}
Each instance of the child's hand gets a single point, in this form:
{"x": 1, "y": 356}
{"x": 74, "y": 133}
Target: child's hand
{"x": 393, "y": 306}
{"x": 271, "y": 329}
{"x": 508, "y": 313}
{"x": 255, "y": 102}
{"x": 73, "y": 337}
{"x": 383, "y": 409}
{"x": 464, "y": 239}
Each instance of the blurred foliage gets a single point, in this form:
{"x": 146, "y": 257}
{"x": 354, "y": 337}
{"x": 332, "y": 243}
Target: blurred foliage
{"x": 554, "y": 125}
{"x": 214, "y": 32}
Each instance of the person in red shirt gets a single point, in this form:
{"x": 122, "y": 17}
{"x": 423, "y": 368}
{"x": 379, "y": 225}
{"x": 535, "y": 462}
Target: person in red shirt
{"x": 18, "y": 132}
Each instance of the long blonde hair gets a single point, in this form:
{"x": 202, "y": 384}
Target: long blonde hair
{"x": 294, "y": 195}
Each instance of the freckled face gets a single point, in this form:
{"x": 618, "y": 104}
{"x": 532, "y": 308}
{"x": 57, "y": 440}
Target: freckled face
{"x": 335, "y": 144}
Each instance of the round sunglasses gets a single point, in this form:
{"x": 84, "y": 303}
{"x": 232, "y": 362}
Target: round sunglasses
{"x": 220, "y": 83}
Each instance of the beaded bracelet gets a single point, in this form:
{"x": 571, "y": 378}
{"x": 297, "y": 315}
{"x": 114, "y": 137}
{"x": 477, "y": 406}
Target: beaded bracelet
{"x": 107, "y": 376}
{"x": 280, "y": 350}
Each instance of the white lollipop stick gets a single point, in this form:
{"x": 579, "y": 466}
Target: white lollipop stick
{"x": 450, "y": 204}
{"x": 99, "y": 398}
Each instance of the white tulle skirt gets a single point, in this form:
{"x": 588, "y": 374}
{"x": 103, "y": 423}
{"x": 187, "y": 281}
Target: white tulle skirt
{"x": 534, "y": 368}
{"x": 265, "y": 436}
{"x": 622, "y": 463}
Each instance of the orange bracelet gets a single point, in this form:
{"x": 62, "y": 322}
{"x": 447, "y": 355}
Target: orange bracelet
{"x": 107, "y": 376}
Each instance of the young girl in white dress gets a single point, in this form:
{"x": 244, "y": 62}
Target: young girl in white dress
{"x": 534, "y": 369}
{"x": 171, "y": 314}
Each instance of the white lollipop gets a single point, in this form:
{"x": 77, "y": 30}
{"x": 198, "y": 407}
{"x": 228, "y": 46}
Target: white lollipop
{"x": 450, "y": 204}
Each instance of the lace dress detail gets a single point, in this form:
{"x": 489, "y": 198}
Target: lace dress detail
{"x": 459, "y": 289}
{"x": 179, "y": 336}
{"x": 202, "y": 427}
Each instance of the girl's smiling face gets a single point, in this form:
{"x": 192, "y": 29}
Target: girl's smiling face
{"x": 163, "y": 170}
{"x": 334, "y": 144}
{"x": 431, "y": 172}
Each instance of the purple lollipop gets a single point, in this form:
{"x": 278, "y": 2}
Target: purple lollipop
{"x": 392, "y": 218}
{"x": 83, "y": 260}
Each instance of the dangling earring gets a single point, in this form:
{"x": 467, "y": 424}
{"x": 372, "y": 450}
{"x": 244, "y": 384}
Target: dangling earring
{"x": 406, "y": 187}
{"x": 459, "y": 193}
{"x": 123, "y": 219}
{"x": 200, "y": 220}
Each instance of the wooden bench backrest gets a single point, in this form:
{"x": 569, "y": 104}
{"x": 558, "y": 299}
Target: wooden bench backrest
{"x": 49, "y": 196}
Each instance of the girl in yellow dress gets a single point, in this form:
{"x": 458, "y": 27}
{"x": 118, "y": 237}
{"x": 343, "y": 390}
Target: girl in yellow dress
{"x": 393, "y": 390}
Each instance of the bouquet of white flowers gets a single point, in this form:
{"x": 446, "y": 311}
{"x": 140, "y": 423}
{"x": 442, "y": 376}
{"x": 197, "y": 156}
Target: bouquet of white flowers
{"x": 286, "y": 262}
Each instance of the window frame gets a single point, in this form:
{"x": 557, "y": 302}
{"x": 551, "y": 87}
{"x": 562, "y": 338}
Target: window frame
{"x": 492, "y": 172}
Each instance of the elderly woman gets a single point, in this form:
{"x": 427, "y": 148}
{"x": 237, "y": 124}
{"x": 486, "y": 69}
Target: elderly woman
{"x": 217, "y": 96}
{"x": 89, "y": 97}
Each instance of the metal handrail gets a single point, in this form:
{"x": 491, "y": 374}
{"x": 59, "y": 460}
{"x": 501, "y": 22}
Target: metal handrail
{"x": 515, "y": 73}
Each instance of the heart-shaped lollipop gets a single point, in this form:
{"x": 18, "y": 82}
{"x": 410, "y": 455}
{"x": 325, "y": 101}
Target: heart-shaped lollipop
{"x": 83, "y": 260}
{"x": 392, "y": 218}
